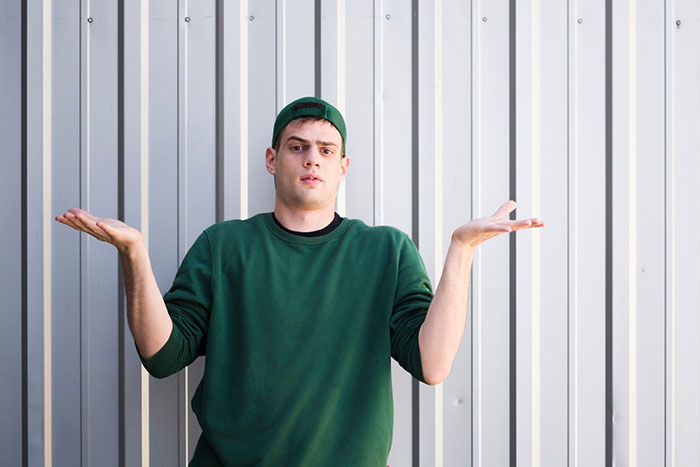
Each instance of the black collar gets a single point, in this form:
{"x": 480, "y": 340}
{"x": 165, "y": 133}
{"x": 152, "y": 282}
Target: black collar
{"x": 316, "y": 233}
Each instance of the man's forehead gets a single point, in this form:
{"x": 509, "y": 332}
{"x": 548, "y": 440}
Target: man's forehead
{"x": 311, "y": 129}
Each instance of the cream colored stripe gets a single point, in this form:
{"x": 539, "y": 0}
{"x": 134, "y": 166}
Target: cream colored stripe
{"x": 379, "y": 115}
{"x": 438, "y": 51}
{"x": 671, "y": 236}
{"x": 534, "y": 238}
{"x": 340, "y": 85}
{"x": 477, "y": 357}
{"x": 632, "y": 231}
{"x": 574, "y": 228}
{"x": 282, "y": 54}
{"x": 243, "y": 70}
{"x": 46, "y": 222}
{"x": 144, "y": 159}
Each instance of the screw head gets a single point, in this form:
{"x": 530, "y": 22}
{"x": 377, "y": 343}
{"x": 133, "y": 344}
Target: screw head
{"x": 89, "y": 20}
{"x": 678, "y": 23}
{"x": 187, "y": 19}
{"x": 388, "y": 17}
{"x": 251, "y": 18}
{"x": 484, "y": 19}
{"x": 580, "y": 21}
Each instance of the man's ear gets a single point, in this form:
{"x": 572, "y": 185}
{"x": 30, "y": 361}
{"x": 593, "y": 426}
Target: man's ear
{"x": 270, "y": 160}
{"x": 344, "y": 164}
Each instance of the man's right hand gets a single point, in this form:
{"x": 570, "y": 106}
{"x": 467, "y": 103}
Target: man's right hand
{"x": 146, "y": 312}
{"x": 112, "y": 231}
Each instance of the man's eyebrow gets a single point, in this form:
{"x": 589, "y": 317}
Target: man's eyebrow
{"x": 301, "y": 140}
{"x": 306, "y": 141}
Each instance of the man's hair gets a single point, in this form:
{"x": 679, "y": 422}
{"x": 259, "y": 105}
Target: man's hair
{"x": 302, "y": 120}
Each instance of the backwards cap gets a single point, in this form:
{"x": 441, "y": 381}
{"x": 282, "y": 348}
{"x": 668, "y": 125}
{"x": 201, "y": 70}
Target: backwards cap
{"x": 308, "y": 107}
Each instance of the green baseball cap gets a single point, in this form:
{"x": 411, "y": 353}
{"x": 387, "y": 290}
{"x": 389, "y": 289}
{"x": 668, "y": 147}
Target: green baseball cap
{"x": 308, "y": 107}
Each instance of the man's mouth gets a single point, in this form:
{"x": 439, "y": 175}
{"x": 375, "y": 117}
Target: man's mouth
{"x": 311, "y": 178}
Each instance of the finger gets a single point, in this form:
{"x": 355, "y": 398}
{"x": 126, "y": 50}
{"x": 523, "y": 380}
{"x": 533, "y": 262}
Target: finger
{"x": 82, "y": 213}
{"x": 521, "y": 224}
{"x": 107, "y": 229}
{"x": 71, "y": 220}
{"x": 90, "y": 227}
{"x": 505, "y": 209}
{"x": 65, "y": 221}
{"x": 526, "y": 223}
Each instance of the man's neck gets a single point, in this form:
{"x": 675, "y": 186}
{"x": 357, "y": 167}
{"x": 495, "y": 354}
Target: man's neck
{"x": 304, "y": 221}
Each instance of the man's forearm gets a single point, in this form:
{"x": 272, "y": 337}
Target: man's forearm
{"x": 148, "y": 317}
{"x": 442, "y": 331}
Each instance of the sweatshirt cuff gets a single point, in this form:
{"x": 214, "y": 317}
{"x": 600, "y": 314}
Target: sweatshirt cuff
{"x": 161, "y": 364}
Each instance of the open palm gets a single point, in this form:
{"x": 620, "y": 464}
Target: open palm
{"x": 108, "y": 230}
{"x": 479, "y": 230}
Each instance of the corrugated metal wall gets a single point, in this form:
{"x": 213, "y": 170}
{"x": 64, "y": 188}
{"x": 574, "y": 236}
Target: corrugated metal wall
{"x": 581, "y": 347}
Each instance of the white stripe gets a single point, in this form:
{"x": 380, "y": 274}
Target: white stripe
{"x": 439, "y": 400}
{"x": 340, "y": 86}
{"x": 534, "y": 238}
{"x": 144, "y": 159}
{"x": 632, "y": 226}
{"x": 46, "y": 222}
{"x": 243, "y": 70}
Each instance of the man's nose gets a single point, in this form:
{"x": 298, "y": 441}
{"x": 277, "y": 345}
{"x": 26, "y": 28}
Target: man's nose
{"x": 312, "y": 157}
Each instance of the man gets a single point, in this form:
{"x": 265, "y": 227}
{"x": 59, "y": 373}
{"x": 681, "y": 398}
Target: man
{"x": 298, "y": 311}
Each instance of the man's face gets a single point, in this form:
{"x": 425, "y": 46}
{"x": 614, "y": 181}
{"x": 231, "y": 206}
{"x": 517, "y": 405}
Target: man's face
{"x": 308, "y": 167}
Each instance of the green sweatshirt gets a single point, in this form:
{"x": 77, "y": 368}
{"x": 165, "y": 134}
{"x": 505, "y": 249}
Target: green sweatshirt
{"x": 297, "y": 333}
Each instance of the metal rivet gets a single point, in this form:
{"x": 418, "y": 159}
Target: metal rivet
{"x": 89, "y": 20}
{"x": 187, "y": 19}
{"x": 678, "y": 23}
{"x": 251, "y": 18}
{"x": 388, "y": 17}
{"x": 580, "y": 21}
{"x": 484, "y": 19}
{"x": 459, "y": 401}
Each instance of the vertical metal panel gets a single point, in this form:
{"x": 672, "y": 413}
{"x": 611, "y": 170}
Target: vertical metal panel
{"x": 199, "y": 157}
{"x": 166, "y": 401}
{"x": 263, "y": 102}
{"x": 455, "y": 182}
{"x": 429, "y": 89}
{"x": 333, "y": 68}
{"x": 10, "y": 232}
{"x": 683, "y": 194}
{"x": 100, "y": 345}
{"x": 360, "y": 109}
{"x": 295, "y": 51}
{"x": 541, "y": 122}
{"x": 66, "y": 145}
{"x": 135, "y": 408}
{"x": 586, "y": 198}
{"x": 235, "y": 153}
{"x": 638, "y": 270}
{"x": 393, "y": 169}
{"x": 490, "y": 277}
{"x": 38, "y": 233}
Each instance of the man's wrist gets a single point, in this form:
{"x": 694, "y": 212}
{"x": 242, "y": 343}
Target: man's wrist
{"x": 134, "y": 251}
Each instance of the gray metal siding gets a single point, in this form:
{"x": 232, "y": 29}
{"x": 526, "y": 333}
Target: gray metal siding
{"x": 160, "y": 113}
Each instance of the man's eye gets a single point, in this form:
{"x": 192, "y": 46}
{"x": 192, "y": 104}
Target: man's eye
{"x": 296, "y": 148}
{"x": 327, "y": 151}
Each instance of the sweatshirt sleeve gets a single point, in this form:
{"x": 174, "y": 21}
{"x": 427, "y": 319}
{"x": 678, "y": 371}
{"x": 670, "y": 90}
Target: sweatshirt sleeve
{"x": 413, "y": 296}
{"x": 188, "y": 302}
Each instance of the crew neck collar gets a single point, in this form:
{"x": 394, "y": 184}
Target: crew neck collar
{"x": 316, "y": 233}
{"x": 290, "y": 236}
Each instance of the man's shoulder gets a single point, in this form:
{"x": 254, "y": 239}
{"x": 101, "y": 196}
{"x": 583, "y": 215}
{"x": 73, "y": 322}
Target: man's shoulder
{"x": 235, "y": 227}
{"x": 383, "y": 233}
